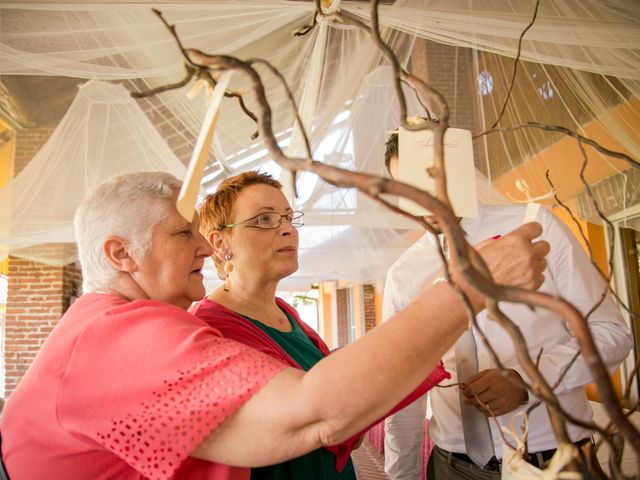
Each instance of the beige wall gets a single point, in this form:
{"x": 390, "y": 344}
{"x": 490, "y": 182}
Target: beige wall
{"x": 564, "y": 159}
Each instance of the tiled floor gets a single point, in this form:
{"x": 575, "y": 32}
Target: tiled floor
{"x": 629, "y": 459}
{"x": 369, "y": 463}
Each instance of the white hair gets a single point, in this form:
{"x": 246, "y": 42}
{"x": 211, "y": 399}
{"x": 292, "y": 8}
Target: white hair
{"x": 126, "y": 206}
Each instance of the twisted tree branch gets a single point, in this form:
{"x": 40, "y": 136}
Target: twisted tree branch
{"x": 467, "y": 259}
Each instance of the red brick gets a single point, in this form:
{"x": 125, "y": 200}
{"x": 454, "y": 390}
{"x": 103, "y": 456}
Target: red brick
{"x": 38, "y": 296}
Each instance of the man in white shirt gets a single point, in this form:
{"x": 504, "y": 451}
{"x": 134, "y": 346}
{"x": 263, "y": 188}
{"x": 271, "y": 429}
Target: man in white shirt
{"x": 570, "y": 275}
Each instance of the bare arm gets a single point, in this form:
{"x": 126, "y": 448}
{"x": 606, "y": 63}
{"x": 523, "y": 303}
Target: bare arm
{"x": 298, "y": 412}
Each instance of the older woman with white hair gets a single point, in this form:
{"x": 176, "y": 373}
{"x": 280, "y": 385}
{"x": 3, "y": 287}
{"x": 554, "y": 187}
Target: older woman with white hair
{"x": 129, "y": 385}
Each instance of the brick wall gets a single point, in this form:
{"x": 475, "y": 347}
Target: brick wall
{"x": 611, "y": 194}
{"x": 450, "y": 71}
{"x": 71, "y": 284}
{"x": 342, "y": 311}
{"x": 369, "y": 293}
{"x": 173, "y": 132}
{"x": 38, "y": 296}
{"x": 28, "y": 142}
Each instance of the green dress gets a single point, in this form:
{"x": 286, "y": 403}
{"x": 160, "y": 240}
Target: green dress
{"x": 319, "y": 464}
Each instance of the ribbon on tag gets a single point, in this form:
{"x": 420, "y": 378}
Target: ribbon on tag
{"x": 330, "y": 6}
{"x": 197, "y": 88}
{"x": 188, "y": 195}
{"x": 532, "y": 207}
{"x": 515, "y": 467}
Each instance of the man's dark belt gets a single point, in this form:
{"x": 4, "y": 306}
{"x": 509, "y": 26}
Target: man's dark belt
{"x": 537, "y": 459}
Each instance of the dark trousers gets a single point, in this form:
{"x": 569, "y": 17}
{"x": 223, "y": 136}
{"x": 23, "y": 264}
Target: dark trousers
{"x": 444, "y": 466}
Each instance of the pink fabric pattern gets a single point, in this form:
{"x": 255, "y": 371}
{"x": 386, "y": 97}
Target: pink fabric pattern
{"x": 127, "y": 390}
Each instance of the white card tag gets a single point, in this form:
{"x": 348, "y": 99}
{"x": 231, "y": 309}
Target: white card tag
{"x": 531, "y": 212}
{"x": 415, "y": 151}
{"x": 188, "y": 195}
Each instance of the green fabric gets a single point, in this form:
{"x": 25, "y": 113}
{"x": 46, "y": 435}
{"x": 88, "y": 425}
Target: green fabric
{"x": 319, "y": 464}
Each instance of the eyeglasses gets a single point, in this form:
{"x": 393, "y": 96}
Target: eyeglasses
{"x": 269, "y": 220}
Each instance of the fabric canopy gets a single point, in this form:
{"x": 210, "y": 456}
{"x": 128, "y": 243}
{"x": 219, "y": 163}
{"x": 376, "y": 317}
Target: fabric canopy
{"x": 104, "y": 133}
{"x": 580, "y": 60}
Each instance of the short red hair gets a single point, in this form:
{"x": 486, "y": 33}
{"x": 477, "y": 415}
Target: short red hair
{"x": 215, "y": 211}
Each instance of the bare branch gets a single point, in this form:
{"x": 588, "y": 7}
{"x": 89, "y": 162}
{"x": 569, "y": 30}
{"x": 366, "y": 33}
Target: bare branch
{"x": 515, "y": 65}
{"x": 568, "y": 132}
{"x": 192, "y": 70}
{"x": 606, "y": 278}
{"x": 539, "y": 357}
{"x": 174, "y": 34}
{"x": 292, "y": 100}
{"x": 189, "y": 74}
{"x": 631, "y": 377}
{"x": 206, "y": 76}
{"x": 586, "y": 241}
{"x": 566, "y": 368}
{"x": 467, "y": 260}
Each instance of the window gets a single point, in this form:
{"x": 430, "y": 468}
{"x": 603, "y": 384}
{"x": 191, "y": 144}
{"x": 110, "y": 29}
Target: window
{"x": 306, "y": 304}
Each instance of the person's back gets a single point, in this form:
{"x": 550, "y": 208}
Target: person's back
{"x": 36, "y": 442}
{"x": 79, "y": 410}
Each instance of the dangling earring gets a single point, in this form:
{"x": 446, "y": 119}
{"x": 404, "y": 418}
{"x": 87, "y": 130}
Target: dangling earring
{"x": 228, "y": 268}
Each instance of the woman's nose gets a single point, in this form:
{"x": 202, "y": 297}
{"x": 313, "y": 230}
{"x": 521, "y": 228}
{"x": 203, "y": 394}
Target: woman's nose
{"x": 286, "y": 228}
{"x": 205, "y": 247}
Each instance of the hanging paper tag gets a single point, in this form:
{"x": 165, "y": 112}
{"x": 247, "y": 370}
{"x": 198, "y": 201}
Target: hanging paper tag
{"x": 416, "y": 155}
{"x": 531, "y": 212}
{"x": 188, "y": 196}
{"x": 532, "y": 207}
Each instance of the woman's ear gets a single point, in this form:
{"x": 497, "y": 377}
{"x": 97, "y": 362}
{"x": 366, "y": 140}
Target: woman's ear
{"x": 116, "y": 250}
{"x": 218, "y": 241}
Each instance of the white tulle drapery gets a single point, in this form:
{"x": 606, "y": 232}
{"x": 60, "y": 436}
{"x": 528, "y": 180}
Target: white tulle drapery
{"x": 585, "y": 52}
{"x": 104, "y": 133}
{"x": 76, "y": 39}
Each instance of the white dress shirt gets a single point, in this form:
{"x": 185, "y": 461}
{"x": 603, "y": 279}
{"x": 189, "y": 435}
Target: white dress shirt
{"x": 570, "y": 275}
